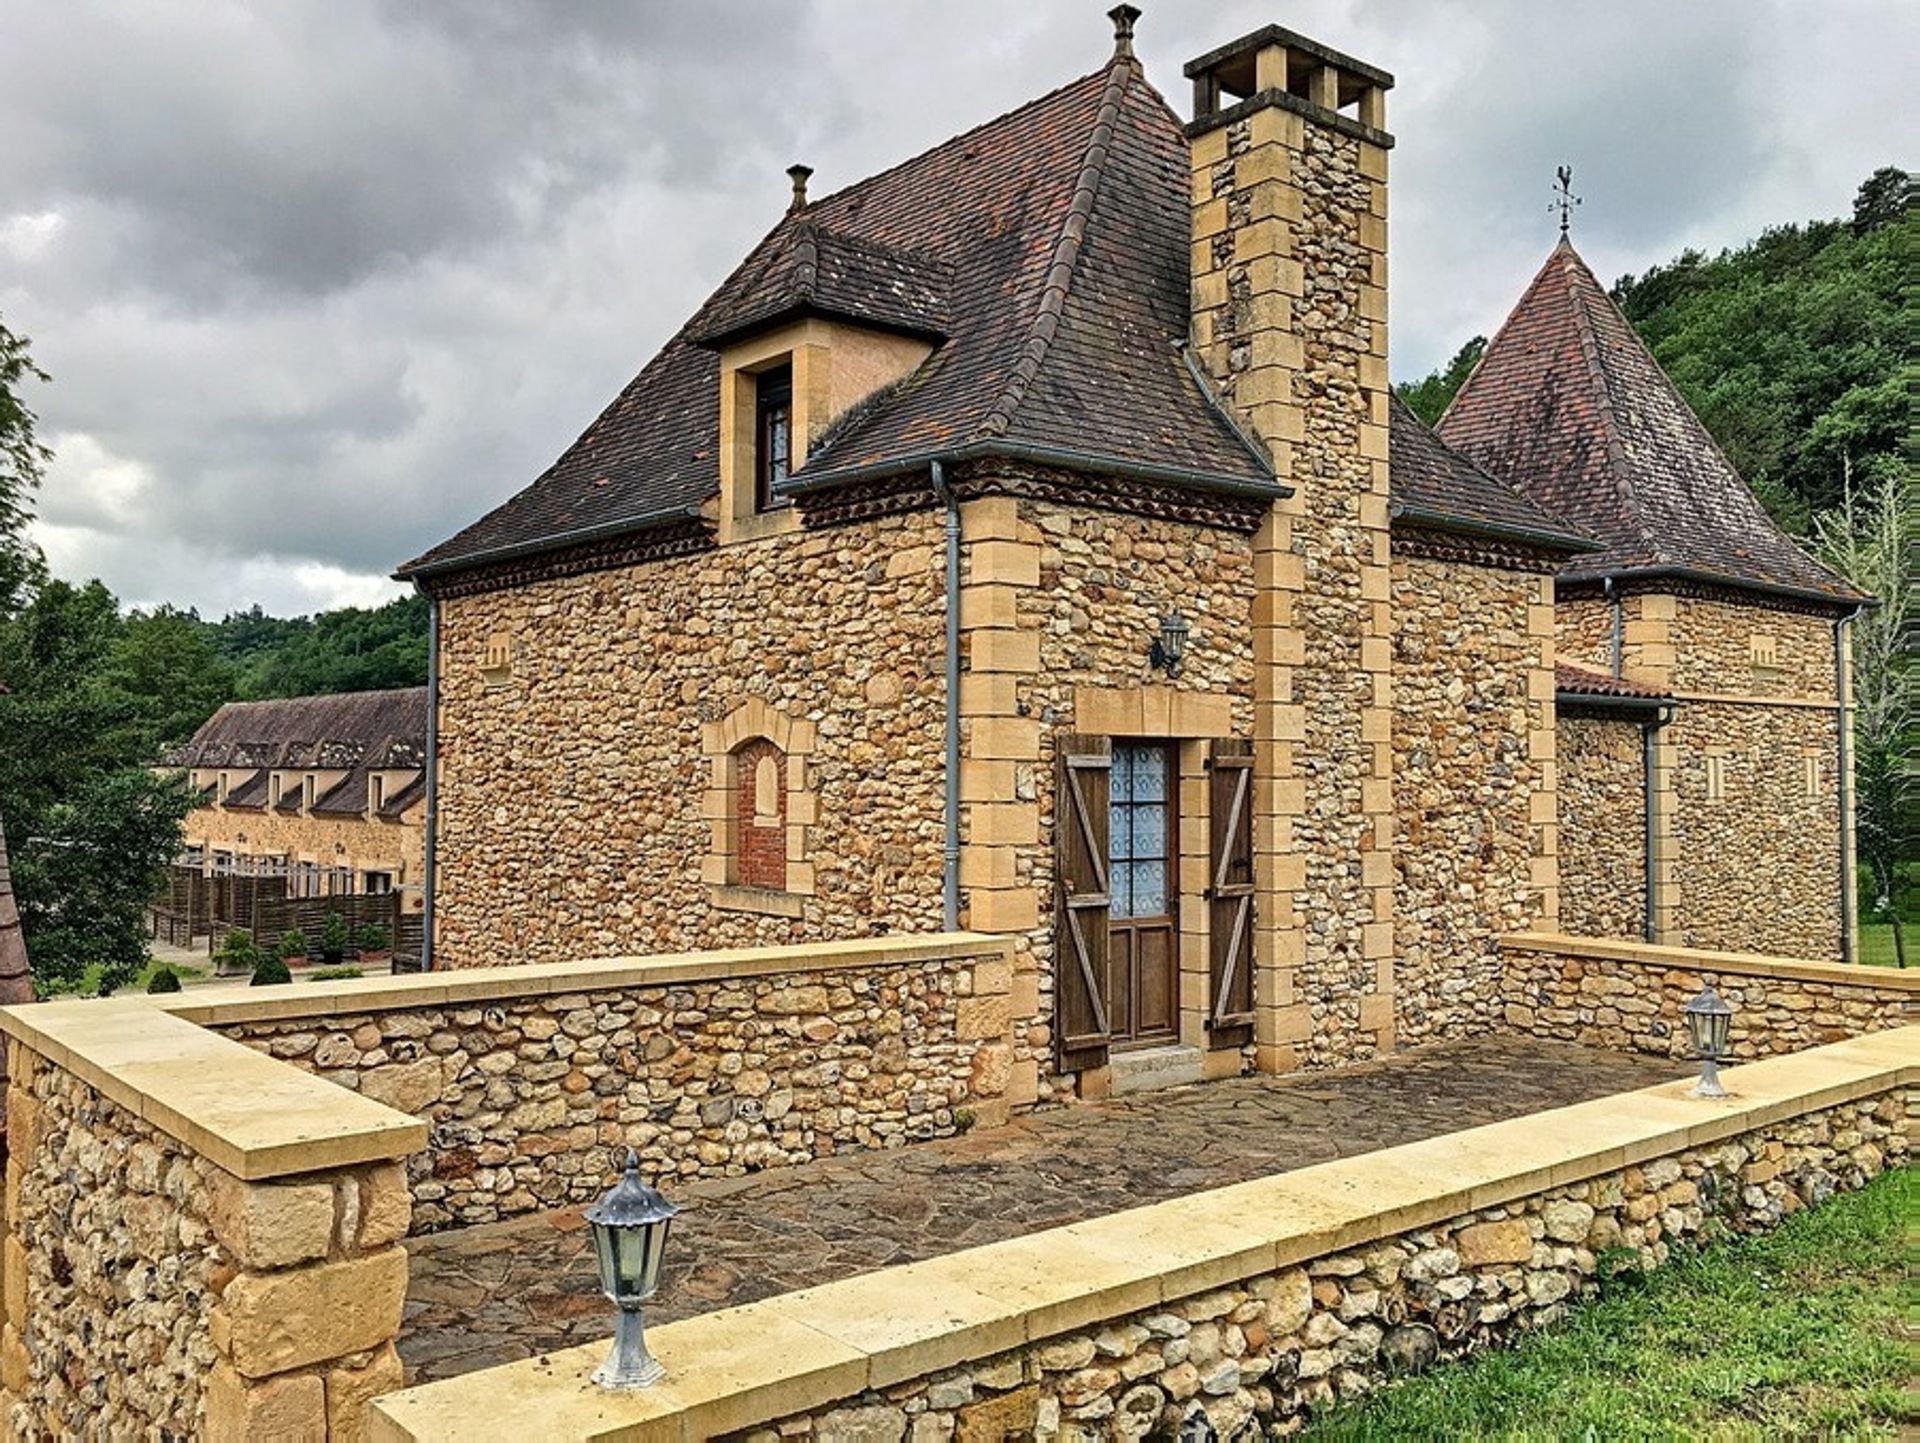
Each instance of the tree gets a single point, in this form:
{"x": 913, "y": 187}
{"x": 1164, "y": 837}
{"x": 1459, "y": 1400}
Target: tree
{"x": 1430, "y": 396}
{"x": 1870, "y": 540}
{"x": 22, "y": 463}
{"x": 1883, "y": 197}
{"x": 88, "y": 874}
{"x": 161, "y": 663}
{"x": 1794, "y": 347}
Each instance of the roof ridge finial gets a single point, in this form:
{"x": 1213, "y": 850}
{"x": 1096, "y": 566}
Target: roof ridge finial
{"x": 1564, "y": 199}
{"x": 799, "y": 175}
{"x": 1123, "y": 17}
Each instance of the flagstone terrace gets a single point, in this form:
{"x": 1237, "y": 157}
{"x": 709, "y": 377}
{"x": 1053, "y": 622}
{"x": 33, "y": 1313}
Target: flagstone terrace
{"x": 490, "y": 1294}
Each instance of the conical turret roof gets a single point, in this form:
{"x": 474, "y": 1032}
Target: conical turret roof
{"x": 1569, "y": 406}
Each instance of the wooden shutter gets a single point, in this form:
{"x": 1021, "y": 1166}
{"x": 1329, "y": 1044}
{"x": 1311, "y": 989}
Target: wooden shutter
{"x": 1081, "y": 1031}
{"x": 1230, "y": 892}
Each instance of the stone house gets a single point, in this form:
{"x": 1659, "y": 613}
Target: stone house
{"x": 1026, "y": 539}
{"x": 1703, "y": 776}
{"x": 327, "y": 791}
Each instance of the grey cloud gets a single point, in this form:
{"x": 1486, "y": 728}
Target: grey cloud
{"x": 336, "y": 276}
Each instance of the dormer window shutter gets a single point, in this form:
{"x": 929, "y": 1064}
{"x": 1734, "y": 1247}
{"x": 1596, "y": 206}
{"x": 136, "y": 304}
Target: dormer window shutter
{"x": 1082, "y": 1033}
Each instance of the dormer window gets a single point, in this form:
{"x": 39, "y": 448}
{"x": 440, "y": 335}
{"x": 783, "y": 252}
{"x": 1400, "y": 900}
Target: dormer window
{"x": 773, "y": 435}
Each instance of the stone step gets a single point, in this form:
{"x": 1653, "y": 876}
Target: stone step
{"x": 1147, "y": 1069}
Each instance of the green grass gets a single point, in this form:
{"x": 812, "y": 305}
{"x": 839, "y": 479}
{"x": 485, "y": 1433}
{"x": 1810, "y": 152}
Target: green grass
{"x": 1876, "y": 943}
{"x": 89, "y": 982}
{"x": 1796, "y": 1333}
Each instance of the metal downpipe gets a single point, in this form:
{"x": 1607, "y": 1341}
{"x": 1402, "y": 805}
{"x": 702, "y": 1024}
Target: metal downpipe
{"x": 1612, "y": 589}
{"x": 1843, "y": 781}
{"x": 1650, "y": 860}
{"x": 428, "y": 872}
{"x": 950, "y": 850}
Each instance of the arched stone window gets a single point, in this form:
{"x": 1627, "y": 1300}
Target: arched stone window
{"x": 760, "y": 806}
{"x": 760, "y": 816}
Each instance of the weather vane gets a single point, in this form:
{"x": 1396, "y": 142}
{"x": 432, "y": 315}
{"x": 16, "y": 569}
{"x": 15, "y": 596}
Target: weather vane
{"x": 1564, "y": 200}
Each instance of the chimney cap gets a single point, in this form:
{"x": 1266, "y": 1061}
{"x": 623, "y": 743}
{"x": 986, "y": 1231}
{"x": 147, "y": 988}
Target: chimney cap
{"x": 1123, "y": 17}
{"x": 799, "y": 174}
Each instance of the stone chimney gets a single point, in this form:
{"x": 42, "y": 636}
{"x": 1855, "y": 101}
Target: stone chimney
{"x": 1289, "y": 316}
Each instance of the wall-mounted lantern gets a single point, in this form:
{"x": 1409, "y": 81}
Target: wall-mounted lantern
{"x": 1709, "y": 1021}
{"x": 630, "y": 1227}
{"x": 1170, "y": 646}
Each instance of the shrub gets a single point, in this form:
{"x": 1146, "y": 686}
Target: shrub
{"x": 164, "y": 979}
{"x": 236, "y": 953}
{"x": 334, "y": 974}
{"x": 271, "y": 971}
{"x": 374, "y": 938}
{"x": 334, "y": 937}
{"x": 293, "y": 943}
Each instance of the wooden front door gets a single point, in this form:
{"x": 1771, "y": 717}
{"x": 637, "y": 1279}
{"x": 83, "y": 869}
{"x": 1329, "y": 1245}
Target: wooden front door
{"x": 1143, "y": 936}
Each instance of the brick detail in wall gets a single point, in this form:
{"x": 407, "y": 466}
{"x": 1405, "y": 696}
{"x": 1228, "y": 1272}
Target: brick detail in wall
{"x": 760, "y": 815}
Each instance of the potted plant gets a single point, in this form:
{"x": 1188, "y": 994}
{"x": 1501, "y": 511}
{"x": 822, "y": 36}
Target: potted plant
{"x": 334, "y": 938}
{"x": 375, "y": 943}
{"x": 236, "y": 954}
{"x": 293, "y": 947}
{"x": 271, "y": 971}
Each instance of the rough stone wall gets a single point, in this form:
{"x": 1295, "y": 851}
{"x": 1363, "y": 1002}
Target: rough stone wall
{"x": 149, "y": 1293}
{"x": 397, "y": 847}
{"x": 1584, "y": 632}
{"x": 573, "y": 788}
{"x": 1057, "y": 598}
{"x": 1759, "y": 870}
{"x": 1713, "y": 642}
{"x": 532, "y": 1100}
{"x": 1640, "y": 1006}
{"x": 1468, "y": 668}
{"x": 111, "y": 1268}
{"x": 1602, "y": 799}
{"x": 1272, "y": 1350}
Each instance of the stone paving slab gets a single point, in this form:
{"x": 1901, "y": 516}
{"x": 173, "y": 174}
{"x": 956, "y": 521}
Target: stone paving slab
{"x": 491, "y": 1294}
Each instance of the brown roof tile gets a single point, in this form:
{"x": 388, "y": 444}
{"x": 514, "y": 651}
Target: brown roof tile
{"x": 1433, "y": 483}
{"x": 352, "y": 729}
{"x": 1572, "y": 679}
{"x": 1049, "y": 251}
{"x": 1570, "y": 407}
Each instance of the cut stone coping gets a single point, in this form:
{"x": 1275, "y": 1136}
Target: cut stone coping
{"x": 744, "y": 1366}
{"x": 252, "y": 1115}
{"x": 479, "y": 985}
{"x": 1741, "y": 964}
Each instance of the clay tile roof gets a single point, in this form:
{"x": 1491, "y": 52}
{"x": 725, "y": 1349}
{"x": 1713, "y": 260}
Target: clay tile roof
{"x": 1433, "y": 483}
{"x": 803, "y": 268}
{"x": 1048, "y": 248}
{"x": 353, "y": 729}
{"x": 1570, "y": 407}
{"x": 1572, "y": 679}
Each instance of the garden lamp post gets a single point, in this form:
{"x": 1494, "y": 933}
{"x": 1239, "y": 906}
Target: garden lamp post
{"x": 629, "y": 1239}
{"x": 1709, "y": 1019}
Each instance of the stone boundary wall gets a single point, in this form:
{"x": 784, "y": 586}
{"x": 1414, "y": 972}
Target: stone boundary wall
{"x": 199, "y": 1242}
{"x": 1261, "y": 1300}
{"x": 1631, "y": 996}
{"x": 717, "y": 1064}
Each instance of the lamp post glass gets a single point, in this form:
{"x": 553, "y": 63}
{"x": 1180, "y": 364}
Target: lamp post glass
{"x": 1709, "y": 1021}
{"x": 630, "y": 1226}
{"x": 1170, "y": 646}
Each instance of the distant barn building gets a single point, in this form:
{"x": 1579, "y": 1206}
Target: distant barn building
{"x": 327, "y": 791}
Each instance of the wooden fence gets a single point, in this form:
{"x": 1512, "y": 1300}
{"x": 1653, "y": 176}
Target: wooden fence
{"x": 199, "y": 908}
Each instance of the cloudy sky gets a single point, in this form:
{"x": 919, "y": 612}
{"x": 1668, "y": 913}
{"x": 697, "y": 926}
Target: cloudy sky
{"x": 319, "y": 281}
